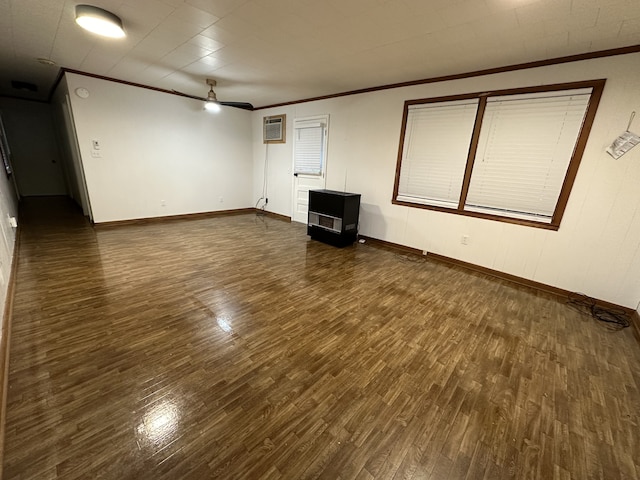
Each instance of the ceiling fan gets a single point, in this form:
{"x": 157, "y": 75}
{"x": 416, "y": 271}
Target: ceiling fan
{"x": 212, "y": 103}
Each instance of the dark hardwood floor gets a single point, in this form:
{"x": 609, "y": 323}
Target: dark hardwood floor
{"x": 237, "y": 348}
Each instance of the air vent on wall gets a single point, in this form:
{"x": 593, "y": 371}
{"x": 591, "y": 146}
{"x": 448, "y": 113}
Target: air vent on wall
{"x": 274, "y": 129}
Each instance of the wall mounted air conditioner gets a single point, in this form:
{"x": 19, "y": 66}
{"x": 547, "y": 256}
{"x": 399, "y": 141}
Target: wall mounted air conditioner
{"x": 274, "y": 129}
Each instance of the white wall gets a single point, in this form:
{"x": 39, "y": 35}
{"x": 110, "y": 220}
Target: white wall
{"x": 35, "y": 155}
{"x": 157, "y": 148}
{"x": 597, "y": 248}
{"x": 8, "y": 208}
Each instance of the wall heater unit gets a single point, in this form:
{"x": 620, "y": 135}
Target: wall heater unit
{"x": 333, "y": 216}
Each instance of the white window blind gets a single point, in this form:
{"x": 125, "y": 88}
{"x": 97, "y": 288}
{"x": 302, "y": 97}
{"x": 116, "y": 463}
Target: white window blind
{"x": 309, "y": 147}
{"x": 434, "y": 155}
{"x": 525, "y": 146}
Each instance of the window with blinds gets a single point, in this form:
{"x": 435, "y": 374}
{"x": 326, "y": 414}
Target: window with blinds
{"x": 524, "y": 150}
{"x": 509, "y": 155}
{"x": 434, "y": 155}
{"x": 309, "y": 146}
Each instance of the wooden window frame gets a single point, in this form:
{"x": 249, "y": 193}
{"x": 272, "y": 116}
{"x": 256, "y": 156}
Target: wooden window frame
{"x": 572, "y": 169}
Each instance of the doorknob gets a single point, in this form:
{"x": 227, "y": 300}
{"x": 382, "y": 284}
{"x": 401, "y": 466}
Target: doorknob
{"x": 295, "y": 174}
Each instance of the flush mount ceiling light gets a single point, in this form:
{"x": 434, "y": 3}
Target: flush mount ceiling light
{"x": 99, "y": 21}
{"x": 212, "y": 103}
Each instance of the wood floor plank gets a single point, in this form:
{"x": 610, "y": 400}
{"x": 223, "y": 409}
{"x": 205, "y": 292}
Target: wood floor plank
{"x": 237, "y": 348}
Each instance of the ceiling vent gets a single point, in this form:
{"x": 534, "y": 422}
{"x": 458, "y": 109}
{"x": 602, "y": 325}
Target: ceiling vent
{"x": 274, "y": 129}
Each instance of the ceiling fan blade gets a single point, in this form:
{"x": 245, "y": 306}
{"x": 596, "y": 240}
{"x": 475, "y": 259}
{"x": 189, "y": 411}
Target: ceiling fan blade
{"x": 242, "y": 105}
{"x": 195, "y": 97}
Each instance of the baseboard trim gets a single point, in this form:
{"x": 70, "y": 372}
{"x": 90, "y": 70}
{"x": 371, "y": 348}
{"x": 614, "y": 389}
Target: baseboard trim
{"x": 390, "y": 245}
{"x": 5, "y": 343}
{"x": 560, "y": 292}
{"x": 185, "y": 216}
{"x": 635, "y": 324}
{"x": 267, "y": 213}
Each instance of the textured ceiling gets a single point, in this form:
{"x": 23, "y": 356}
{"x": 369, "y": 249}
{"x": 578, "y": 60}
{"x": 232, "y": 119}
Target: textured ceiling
{"x": 271, "y": 51}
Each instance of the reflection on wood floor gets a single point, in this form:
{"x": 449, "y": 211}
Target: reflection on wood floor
{"x": 236, "y": 348}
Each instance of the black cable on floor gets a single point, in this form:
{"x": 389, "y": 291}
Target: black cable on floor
{"x": 612, "y": 318}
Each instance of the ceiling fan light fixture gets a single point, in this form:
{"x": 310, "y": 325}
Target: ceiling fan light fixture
{"x": 99, "y": 21}
{"x": 212, "y": 104}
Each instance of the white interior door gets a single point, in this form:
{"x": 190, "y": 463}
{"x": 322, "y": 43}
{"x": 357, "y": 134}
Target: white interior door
{"x": 301, "y": 186}
{"x": 309, "y": 162}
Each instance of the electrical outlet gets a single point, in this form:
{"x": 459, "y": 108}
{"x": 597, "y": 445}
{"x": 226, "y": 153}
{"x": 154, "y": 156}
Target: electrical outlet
{"x": 221, "y": 200}
{"x": 424, "y": 252}
{"x": 464, "y": 240}
{"x": 163, "y": 203}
